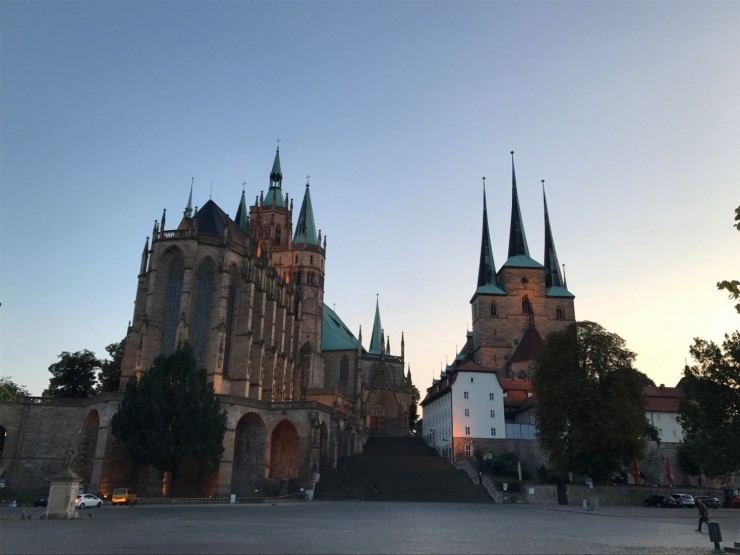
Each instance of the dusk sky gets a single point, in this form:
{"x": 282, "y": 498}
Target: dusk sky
{"x": 629, "y": 110}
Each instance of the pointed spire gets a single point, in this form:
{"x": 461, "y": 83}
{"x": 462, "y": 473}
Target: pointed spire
{"x": 274, "y": 195}
{"x": 376, "y": 344}
{"x": 164, "y": 214}
{"x": 487, "y": 267}
{"x": 403, "y": 350}
{"x": 517, "y": 238}
{"x": 144, "y": 258}
{"x": 241, "y": 212}
{"x": 305, "y": 228}
{"x": 388, "y": 345}
{"x": 553, "y": 278}
{"x": 189, "y": 208}
{"x": 359, "y": 341}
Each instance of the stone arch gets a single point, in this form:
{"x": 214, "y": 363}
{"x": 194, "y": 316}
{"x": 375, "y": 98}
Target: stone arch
{"x": 88, "y": 444}
{"x": 283, "y": 463}
{"x": 250, "y": 440}
{"x": 383, "y": 415}
{"x": 323, "y": 447}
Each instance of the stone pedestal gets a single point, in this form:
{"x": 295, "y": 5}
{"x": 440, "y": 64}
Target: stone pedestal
{"x": 62, "y": 495}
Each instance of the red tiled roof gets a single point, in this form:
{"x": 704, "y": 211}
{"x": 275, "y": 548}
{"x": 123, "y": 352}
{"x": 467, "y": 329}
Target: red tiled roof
{"x": 662, "y": 399}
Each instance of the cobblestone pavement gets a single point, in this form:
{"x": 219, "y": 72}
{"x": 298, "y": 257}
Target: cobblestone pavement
{"x": 364, "y": 527}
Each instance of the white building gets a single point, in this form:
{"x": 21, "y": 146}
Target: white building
{"x": 661, "y": 410}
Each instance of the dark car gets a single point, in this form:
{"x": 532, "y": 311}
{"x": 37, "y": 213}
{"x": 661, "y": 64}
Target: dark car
{"x": 41, "y": 501}
{"x": 711, "y": 502}
{"x": 660, "y": 501}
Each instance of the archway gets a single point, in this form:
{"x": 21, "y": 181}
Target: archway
{"x": 249, "y": 455}
{"x": 284, "y": 456}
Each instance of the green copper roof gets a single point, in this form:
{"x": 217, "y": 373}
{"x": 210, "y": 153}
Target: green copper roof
{"x": 375, "y": 339}
{"x": 487, "y": 267}
{"x": 241, "y": 213}
{"x": 553, "y": 277}
{"x": 517, "y": 238}
{"x": 305, "y": 229}
{"x": 274, "y": 196}
{"x": 489, "y": 290}
{"x": 559, "y": 292}
{"x": 522, "y": 261}
{"x": 189, "y": 208}
{"x": 335, "y": 335}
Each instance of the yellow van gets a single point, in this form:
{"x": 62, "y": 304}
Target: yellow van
{"x": 123, "y": 496}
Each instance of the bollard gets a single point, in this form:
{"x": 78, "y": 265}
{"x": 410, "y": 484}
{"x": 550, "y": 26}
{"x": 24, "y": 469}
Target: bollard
{"x": 715, "y": 534}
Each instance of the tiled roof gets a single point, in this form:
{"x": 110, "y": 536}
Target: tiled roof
{"x": 529, "y": 347}
{"x": 662, "y": 399}
{"x": 211, "y": 220}
{"x": 518, "y": 390}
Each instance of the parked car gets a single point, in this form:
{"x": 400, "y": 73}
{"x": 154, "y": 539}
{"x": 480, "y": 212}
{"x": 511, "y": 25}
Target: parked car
{"x": 41, "y": 501}
{"x": 684, "y": 500}
{"x": 123, "y": 496}
{"x": 660, "y": 501}
{"x": 734, "y": 503}
{"x": 711, "y": 502}
{"x": 88, "y": 500}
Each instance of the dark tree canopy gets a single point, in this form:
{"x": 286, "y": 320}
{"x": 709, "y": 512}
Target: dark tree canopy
{"x": 10, "y": 390}
{"x": 171, "y": 415}
{"x": 732, "y": 286}
{"x": 710, "y": 414}
{"x": 110, "y": 372}
{"x": 414, "y": 407}
{"x": 73, "y": 376}
{"x": 590, "y": 403}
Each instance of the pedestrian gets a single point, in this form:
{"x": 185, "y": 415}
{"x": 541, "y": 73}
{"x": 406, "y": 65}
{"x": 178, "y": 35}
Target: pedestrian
{"x": 703, "y": 514}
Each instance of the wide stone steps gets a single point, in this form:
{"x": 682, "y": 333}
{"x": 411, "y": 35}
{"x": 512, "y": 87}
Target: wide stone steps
{"x": 398, "y": 469}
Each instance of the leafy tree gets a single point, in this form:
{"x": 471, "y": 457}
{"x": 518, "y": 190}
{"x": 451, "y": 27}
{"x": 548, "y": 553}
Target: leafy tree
{"x": 171, "y": 415}
{"x": 110, "y": 372}
{"x": 710, "y": 414}
{"x": 73, "y": 375}
{"x": 414, "y": 407}
{"x": 590, "y": 403}
{"x": 9, "y": 390}
{"x": 733, "y": 286}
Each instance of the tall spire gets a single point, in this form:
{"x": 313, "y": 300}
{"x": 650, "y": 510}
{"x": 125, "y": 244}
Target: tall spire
{"x": 376, "y": 341}
{"x": 487, "y": 267}
{"x": 275, "y": 193}
{"x": 553, "y": 278}
{"x": 189, "y": 208}
{"x": 517, "y": 238}
{"x": 305, "y": 229}
{"x": 241, "y": 212}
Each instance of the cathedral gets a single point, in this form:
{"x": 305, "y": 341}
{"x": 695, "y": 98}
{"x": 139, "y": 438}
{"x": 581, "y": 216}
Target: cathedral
{"x": 299, "y": 389}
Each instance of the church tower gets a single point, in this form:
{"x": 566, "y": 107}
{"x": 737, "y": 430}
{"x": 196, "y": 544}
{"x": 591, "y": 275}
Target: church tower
{"x": 515, "y": 308}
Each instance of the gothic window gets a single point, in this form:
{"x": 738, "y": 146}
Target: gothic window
{"x": 559, "y": 313}
{"x": 230, "y": 302}
{"x": 204, "y": 279}
{"x": 344, "y": 369}
{"x": 296, "y": 259}
{"x": 172, "y": 298}
{"x": 526, "y": 307}
{"x": 494, "y": 310}
{"x": 277, "y": 234}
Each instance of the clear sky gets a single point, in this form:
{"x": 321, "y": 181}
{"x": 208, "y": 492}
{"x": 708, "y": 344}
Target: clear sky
{"x": 630, "y": 112}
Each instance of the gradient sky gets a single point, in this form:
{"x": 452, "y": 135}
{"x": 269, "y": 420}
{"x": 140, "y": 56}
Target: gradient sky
{"x": 630, "y": 112}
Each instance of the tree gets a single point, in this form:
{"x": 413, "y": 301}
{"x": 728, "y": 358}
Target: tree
{"x": 590, "y": 403}
{"x": 110, "y": 372}
{"x": 414, "y": 406}
{"x": 710, "y": 414}
{"x": 171, "y": 415}
{"x": 733, "y": 286}
{"x": 73, "y": 375}
{"x": 10, "y": 390}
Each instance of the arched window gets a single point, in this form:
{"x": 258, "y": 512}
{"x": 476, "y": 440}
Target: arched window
{"x": 172, "y": 298}
{"x": 526, "y": 307}
{"x": 344, "y": 369}
{"x": 277, "y": 234}
{"x": 204, "y": 279}
{"x": 494, "y": 310}
{"x": 559, "y": 313}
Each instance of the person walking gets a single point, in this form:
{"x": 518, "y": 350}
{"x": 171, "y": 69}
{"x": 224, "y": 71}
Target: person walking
{"x": 703, "y": 514}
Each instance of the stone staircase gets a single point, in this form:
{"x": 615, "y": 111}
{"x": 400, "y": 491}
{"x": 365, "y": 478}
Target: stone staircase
{"x": 398, "y": 469}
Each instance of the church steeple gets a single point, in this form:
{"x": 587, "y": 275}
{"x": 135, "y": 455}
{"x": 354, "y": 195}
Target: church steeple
{"x": 553, "y": 277}
{"x": 241, "y": 212}
{"x": 376, "y": 339}
{"x": 274, "y": 195}
{"x": 305, "y": 229}
{"x": 487, "y": 267}
{"x": 517, "y": 238}
{"x": 189, "y": 208}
